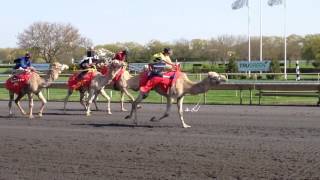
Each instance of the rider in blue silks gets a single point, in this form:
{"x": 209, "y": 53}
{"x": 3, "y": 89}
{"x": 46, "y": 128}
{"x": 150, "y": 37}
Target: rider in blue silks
{"x": 23, "y": 62}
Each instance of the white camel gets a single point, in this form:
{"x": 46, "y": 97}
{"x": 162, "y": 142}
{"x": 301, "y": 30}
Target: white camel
{"x": 104, "y": 57}
{"x": 100, "y": 81}
{"x": 182, "y": 87}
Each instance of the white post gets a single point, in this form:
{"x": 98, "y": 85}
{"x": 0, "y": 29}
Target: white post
{"x": 297, "y": 71}
{"x": 285, "y": 40}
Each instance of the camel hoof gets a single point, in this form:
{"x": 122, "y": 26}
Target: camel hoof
{"x": 139, "y": 106}
{"x": 31, "y": 117}
{"x": 127, "y": 117}
{"x": 154, "y": 119}
{"x": 40, "y": 114}
{"x": 124, "y": 110}
{"x": 23, "y": 113}
{"x": 186, "y": 126}
{"x": 164, "y": 116}
{"x": 88, "y": 114}
{"x": 109, "y": 112}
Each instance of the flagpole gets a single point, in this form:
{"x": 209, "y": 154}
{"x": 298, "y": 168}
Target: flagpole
{"x": 249, "y": 36}
{"x": 260, "y": 30}
{"x": 285, "y": 39}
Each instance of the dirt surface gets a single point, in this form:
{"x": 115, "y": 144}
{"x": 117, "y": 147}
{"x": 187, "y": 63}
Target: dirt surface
{"x": 224, "y": 142}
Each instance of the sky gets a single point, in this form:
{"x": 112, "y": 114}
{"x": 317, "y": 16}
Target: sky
{"x": 110, "y": 21}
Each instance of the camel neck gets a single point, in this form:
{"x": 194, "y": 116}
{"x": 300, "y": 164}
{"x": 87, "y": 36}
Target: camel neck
{"x": 196, "y": 87}
{"x": 51, "y": 76}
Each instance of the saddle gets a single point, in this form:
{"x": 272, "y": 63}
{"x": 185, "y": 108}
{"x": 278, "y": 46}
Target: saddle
{"x": 18, "y": 81}
{"x": 75, "y": 83}
{"x": 165, "y": 81}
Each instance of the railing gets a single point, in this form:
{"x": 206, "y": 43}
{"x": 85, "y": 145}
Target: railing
{"x": 253, "y": 76}
{"x": 237, "y": 85}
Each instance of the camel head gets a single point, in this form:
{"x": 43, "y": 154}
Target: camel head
{"x": 215, "y": 78}
{"x": 117, "y": 64}
{"x": 57, "y": 68}
{"x": 104, "y": 55}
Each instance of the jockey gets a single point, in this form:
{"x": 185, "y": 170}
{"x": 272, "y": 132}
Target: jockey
{"x": 23, "y": 64}
{"x": 164, "y": 56}
{"x": 88, "y": 62}
{"x": 121, "y": 55}
{"x": 162, "y": 63}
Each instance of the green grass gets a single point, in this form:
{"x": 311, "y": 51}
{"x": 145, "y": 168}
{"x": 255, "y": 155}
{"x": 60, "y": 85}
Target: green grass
{"x": 213, "y": 97}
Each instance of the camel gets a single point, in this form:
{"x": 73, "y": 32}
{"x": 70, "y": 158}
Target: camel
{"x": 83, "y": 90}
{"x": 182, "y": 87}
{"x": 127, "y": 81}
{"x": 34, "y": 86}
{"x": 104, "y": 57}
{"x": 100, "y": 81}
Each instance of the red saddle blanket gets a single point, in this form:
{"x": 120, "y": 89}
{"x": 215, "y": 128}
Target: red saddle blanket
{"x": 18, "y": 81}
{"x": 148, "y": 83}
{"x": 104, "y": 70}
{"x": 75, "y": 83}
{"x": 119, "y": 75}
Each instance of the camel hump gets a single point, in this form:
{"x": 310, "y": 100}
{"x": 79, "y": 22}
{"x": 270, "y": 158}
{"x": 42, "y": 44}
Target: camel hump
{"x": 212, "y": 74}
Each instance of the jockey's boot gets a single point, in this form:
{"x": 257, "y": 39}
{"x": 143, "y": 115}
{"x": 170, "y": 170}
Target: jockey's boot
{"x": 144, "y": 95}
{"x": 15, "y": 78}
{"x": 81, "y": 75}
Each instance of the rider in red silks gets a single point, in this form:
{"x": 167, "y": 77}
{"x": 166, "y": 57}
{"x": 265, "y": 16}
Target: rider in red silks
{"x": 121, "y": 55}
{"x": 158, "y": 72}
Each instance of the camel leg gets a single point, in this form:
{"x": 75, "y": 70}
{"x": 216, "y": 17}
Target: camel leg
{"x": 11, "y": 95}
{"x": 122, "y": 100}
{"x": 30, "y": 96}
{"x": 134, "y": 108}
{"x": 105, "y": 95}
{"x": 126, "y": 92}
{"x": 166, "y": 114}
{"x": 180, "y": 111}
{"x": 92, "y": 94}
{"x": 70, "y": 91}
{"x": 17, "y": 101}
{"x": 82, "y": 99}
{"x": 95, "y": 102}
{"x": 43, "y": 103}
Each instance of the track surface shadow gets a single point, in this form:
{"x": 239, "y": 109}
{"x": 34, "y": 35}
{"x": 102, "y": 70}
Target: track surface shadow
{"x": 118, "y": 125}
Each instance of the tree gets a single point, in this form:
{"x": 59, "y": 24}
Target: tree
{"x": 52, "y": 41}
{"x": 274, "y": 68}
{"x": 311, "y": 48}
{"x": 181, "y": 50}
{"x": 232, "y": 66}
{"x": 294, "y": 47}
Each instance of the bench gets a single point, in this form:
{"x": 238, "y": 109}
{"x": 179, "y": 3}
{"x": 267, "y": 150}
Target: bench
{"x": 289, "y": 94}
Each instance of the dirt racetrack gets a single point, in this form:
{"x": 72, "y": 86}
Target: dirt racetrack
{"x": 224, "y": 142}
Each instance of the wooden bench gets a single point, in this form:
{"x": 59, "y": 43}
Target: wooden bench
{"x": 289, "y": 94}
